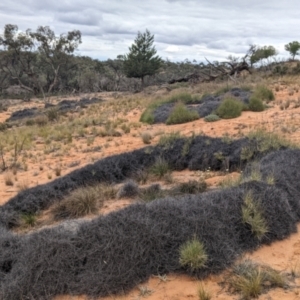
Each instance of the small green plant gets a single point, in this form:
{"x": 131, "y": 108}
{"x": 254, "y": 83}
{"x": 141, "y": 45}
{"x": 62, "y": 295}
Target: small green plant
{"x": 263, "y": 93}
{"x": 256, "y": 104}
{"x": 52, "y": 114}
{"x": 191, "y": 187}
{"x": 160, "y": 167}
{"x": 230, "y": 108}
{"x": 192, "y": 254}
{"x": 147, "y": 116}
{"x": 212, "y": 118}
{"x": 146, "y": 137}
{"x": 253, "y": 217}
{"x": 29, "y": 219}
{"x": 181, "y": 114}
{"x": 251, "y": 279}
{"x": 203, "y": 294}
{"x": 167, "y": 140}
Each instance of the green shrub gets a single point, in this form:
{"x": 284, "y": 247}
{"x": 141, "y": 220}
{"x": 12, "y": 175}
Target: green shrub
{"x": 203, "y": 294}
{"x": 29, "y": 219}
{"x": 147, "y": 116}
{"x": 181, "y": 114}
{"x": 160, "y": 167}
{"x": 229, "y": 108}
{"x": 212, "y": 118}
{"x": 263, "y": 93}
{"x": 166, "y": 140}
{"x": 151, "y": 193}
{"x": 256, "y": 104}
{"x": 52, "y": 114}
{"x": 181, "y": 97}
{"x": 193, "y": 255}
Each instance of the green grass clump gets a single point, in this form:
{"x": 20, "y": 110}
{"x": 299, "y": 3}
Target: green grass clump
{"x": 160, "y": 167}
{"x": 147, "y": 116}
{"x": 29, "y": 219}
{"x": 193, "y": 255}
{"x": 180, "y": 97}
{"x": 181, "y": 114}
{"x": 256, "y": 104}
{"x": 263, "y": 93}
{"x": 212, "y": 118}
{"x": 229, "y": 108}
{"x": 146, "y": 137}
{"x": 253, "y": 217}
{"x": 203, "y": 294}
{"x": 250, "y": 279}
{"x": 166, "y": 140}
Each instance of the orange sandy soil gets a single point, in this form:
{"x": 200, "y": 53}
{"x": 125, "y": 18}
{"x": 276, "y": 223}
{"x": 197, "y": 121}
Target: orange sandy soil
{"x": 280, "y": 255}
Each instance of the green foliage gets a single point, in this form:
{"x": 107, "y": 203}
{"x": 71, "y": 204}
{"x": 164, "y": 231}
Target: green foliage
{"x": 252, "y": 216}
{"x": 293, "y": 48}
{"x": 147, "y": 116}
{"x": 181, "y": 114}
{"x": 229, "y": 108}
{"x": 263, "y": 93}
{"x": 141, "y": 59}
{"x": 166, "y": 140}
{"x": 212, "y": 118}
{"x": 181, "y": 97}
{"x": 192, "y": 254}
{"x": 151, "y": 193}
{"x": 257, "y": 53}
{"x": 160, "y": 167}
{"x": 256, "y": 104}
{"x": 251, "y": 279}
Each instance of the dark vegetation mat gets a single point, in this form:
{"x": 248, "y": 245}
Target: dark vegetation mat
{"x": 62, "y": 107}
{"x": 113, "y": 253}
{"x": 206, "y": 106}
{"x": 195, "y": 153}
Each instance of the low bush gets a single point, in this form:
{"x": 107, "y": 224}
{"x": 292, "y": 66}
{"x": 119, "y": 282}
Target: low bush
{"x": 160, "y": 167}
{"x": 79, "y": 203}
{"x": 191, "y": 187}
{"x": 146, "y": 137}
{"x": 151, "y": 192}
{"x": 129, "y": 189}
{"x": 212, "y": 118}
{"x": 193, "y": 255}
{"x": 147, "y": 116}
{"x": 263, "y": 93}
{"x": 229, "y": 108}
{"x": 256, "y": 104}
{"x": 181, "y": 114}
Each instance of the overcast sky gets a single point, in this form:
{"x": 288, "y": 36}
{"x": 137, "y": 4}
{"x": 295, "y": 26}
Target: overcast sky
{"x": 183, "y": 28}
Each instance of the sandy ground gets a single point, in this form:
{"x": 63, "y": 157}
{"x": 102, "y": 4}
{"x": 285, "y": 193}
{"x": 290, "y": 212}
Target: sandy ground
{"x": 280, "y": 255}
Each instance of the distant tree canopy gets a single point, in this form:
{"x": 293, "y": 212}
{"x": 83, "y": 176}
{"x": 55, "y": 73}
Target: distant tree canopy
{"x": 142, "y": 59}
{"x": 293, "y": 48}
{"x": 257, "y": 53}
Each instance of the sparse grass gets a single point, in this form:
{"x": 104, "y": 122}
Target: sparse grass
{"x": 79, "y": 203}
{"x": 253, "y": 217}
{"x": 181, "y": 114}
{"x": 24, "y": 185}
{"x": 151, "y": 193}
{"x": 203, "y": 294}
{"x": 160, "y": 167}
{"x": 57, "y": 171}
{"x": 52, "y": 114}
{"x": 193, "y": 255}
{"x": 251, "y": 280}
{"x": 144, "y": 291}
{"x": 230, "y": 108}
{"x": 230, "y": 181}
{"x": 146, "y": 137}
{"x": 166, "y": 140}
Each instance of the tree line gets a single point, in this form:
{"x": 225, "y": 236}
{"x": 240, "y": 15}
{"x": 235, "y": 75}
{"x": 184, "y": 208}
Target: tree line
{"x": 41, "y": 63}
